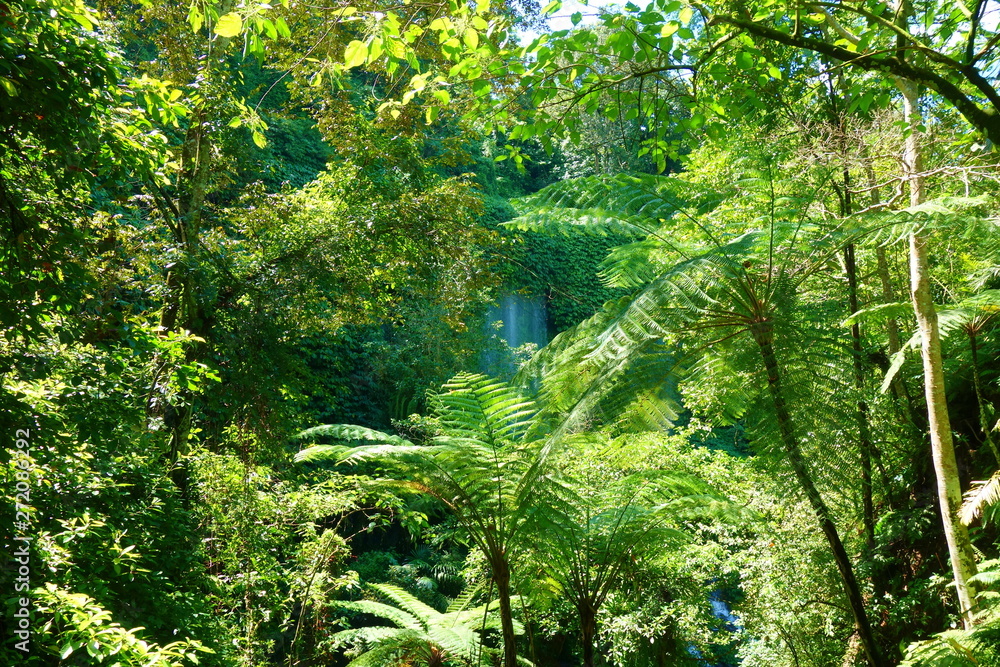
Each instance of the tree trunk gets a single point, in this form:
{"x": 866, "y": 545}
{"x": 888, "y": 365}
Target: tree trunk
{"x": 963, "y": 563}
{"x": 501, "y": 576}
{"x": 763, "y": 335}
{"x": 977, "y": 381}
{"x": 588, "y": 628}
{"x": 864, "y": 427}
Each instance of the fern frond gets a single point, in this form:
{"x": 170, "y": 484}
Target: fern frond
{"x": 980, "y": 496}
{"x": 404, "y": 600}
{"x": 571, "y": 222}
{"x": 372, "y": 636}
{"x": 352, "y": 455}
{"x": 951, "y": 319}
{"x": 474, "y": 406}
{"x": 462, "y": 602}
{"x": 953, "y": 648}
{"x": 881, "y": 313}
{"x": 400, "y": 617}
{"x": 350, "y": 433}
{"x": 635, "y": 264}
{"x": 649, "y": 196}
{"x": 943, "y": 214}
{"x": 320, "y": 453}
{"x": 381, "y": 656}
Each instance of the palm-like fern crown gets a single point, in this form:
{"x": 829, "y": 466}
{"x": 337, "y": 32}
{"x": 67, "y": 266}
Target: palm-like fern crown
{"x": 710, "y": 283}
{"x": 484, "y": 464}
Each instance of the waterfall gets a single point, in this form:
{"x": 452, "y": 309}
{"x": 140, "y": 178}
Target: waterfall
{"x": 513, "y": 324}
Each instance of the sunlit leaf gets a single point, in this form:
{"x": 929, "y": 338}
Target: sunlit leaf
{"x": 229, "y": 25}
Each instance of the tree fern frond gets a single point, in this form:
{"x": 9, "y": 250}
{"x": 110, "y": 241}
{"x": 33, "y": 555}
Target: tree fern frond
{"x": 633, "y": 265}
{"x": 653, "y": 197}
{"x": 350, "y": 433}
{"x": 486, "y": 617}
{"x": 881, "y": 313}
{"x": 409, "y": 603}
{"x": 897, "y": 361}
{"x": 571, "y": 222}
{"x": 342, "y": 454}
{"x": 474, "y": 406}
{"x": 319, "y": 453}
{"x": 462, "y": 602}
{"x": 371, "y": 636}
{"x": 944, "y": 214}
{"x": 380, "y": 656}
{"x": 979, "y": 496}
{"x": 400, "y": 617}
{"x": 986, "y": 577}
{"x": 951, "y": 319}
{"x": 952, "y": 648}
{"x": 457, "y": 641}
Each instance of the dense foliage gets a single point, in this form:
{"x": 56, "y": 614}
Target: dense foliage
{"x": 252, "y": 260}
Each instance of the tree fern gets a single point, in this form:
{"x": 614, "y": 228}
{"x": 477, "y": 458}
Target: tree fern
{"x": 488, "y": 464}
{"x": 740, "y": 292}
{"x": 618, "y": 523}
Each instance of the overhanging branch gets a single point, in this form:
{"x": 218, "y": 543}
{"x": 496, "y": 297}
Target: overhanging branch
{"x": 985, "y": 119}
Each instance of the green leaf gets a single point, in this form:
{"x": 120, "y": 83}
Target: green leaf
{"x": 269, "y": 28}
{"x": 259, "y": 139}
{"x": 685, "y": 15}
{"x": 83, "y": 20}
{"x": 355, "y": 54}
{"x": 744, "y": 60}
{"x": 229, "y": 25}
{"x": 196, "y": 19}
{"x": 551, "y": 8}
{"x": 8, "y": 86}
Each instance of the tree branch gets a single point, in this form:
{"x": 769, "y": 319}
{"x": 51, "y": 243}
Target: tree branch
{"x": 986, "y": 120}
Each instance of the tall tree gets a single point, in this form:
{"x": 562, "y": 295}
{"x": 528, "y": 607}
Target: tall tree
{"x": 939, "y": 424}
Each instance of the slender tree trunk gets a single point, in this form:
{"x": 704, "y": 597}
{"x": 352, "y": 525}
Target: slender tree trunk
{"x": 181, "y": 311}
{"x": 588, "y": 628}
{"x": 763, "y": 335}
{"x": 864, "y": 426}
{"x": 501, "y": 576}
{"x": 977, "y": 380}
{"x": 942, "y": 448}
{"x": 899, "y": 388}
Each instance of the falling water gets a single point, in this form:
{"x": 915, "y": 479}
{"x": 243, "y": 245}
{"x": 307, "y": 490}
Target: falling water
{"x": 515, "y": 322}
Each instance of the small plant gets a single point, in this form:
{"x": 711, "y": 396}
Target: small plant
{"x": 423, "y": 636}
{"x": 81, "y": 632}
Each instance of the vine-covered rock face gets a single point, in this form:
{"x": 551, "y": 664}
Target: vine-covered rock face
{"x": 565, "y": 269}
